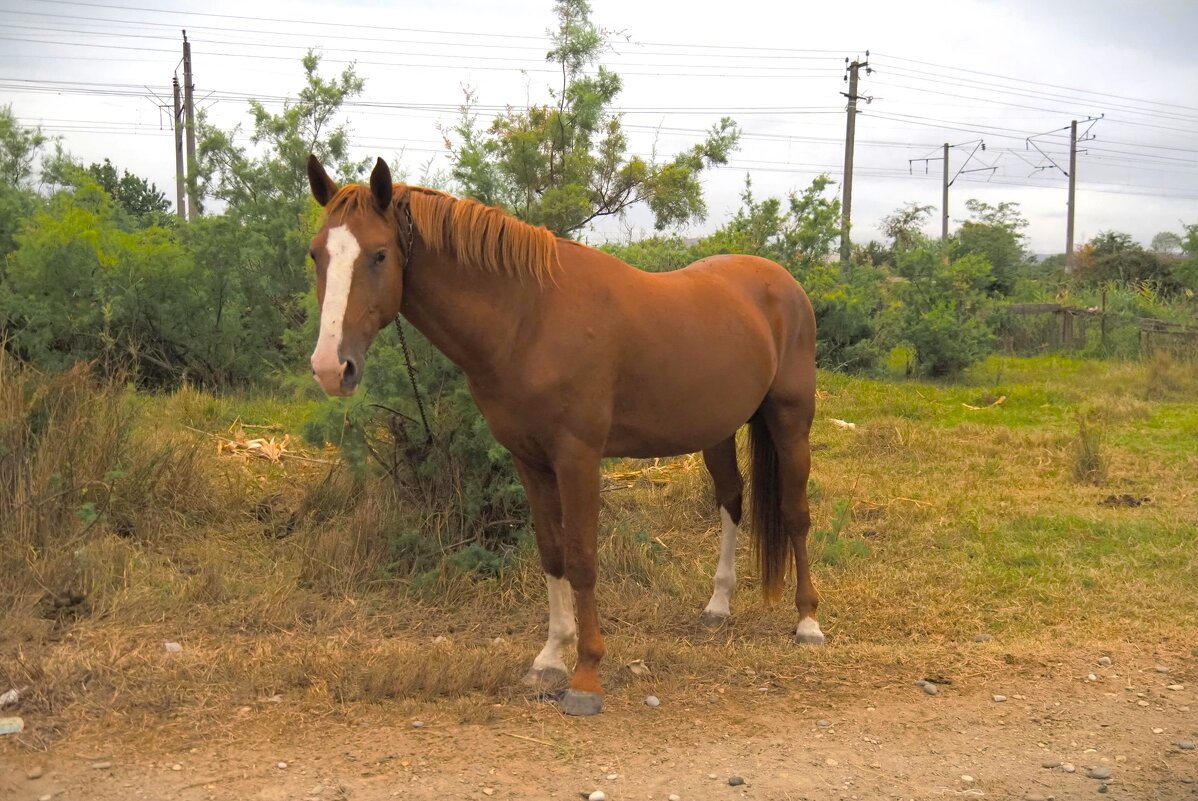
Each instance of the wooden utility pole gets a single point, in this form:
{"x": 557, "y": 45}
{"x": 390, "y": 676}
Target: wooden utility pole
{"x": 846, "y": 203}
{"x": 188, "y": 91}
{"x": 944, "y": 200}
{"x": 180, "y": 176}
{"x": 1072, "y": 197}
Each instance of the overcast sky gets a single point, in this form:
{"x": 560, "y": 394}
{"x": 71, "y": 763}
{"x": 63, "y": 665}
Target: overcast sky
{"x": 955, "y": 72}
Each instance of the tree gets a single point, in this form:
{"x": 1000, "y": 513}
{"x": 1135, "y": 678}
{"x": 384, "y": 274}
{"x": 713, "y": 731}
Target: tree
{"x": 995, "y": 233}
{"x": 137, "y": 200}
{"x": 1115, "y": 256}
{"x": 903, "y": 225}
{"x": 19, "y": 148}
{"x": 565, "y": 163}
{"x": 1166, "y": 243}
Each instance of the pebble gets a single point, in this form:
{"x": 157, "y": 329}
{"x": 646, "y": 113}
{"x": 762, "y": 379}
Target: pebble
{"x": 931, "y": 689}
{"x": 34, "y": 773}
{"x": 652, "y": 700}
{"x": 824, "y": 724}
{"x": 319, "y": 788}
{"x": 1158, "y": 731}
{"x": 46, "y": 797}
{"x": 983, "y": 637}
{"x": 1099, "y": 773}
{"x": 1091, "y": 677}
{"x": 281, "y": 766}
{"x": 1050, "y": 763}
{"x": 735, "y": 781}
{"x": 998, "y": 699}
{"x": 176, "y": 766}
{"x": 1186, "y": 745}
{"x": 1104, "y": 788}
{"x": 1141, "y": 703}
{"x": 1160, "y": 669}
{"x": 711, "y": 775}
{"x": 488, "y": 791}
{"x": 598, "y": 795}
{"x": 1105, "y": 661}
{"x": 105, "y": 765}
{"x": 1034, "y": 797}
{"x": 611, "y": 777}
{"x": 832, "y": 763}
{"x": 417, "y": 724}
{"x": 1068, "y": 767}
{"x": 674, "y": 797}
{"x": 967, "y": 779}
{"x": 1176, "y": 686}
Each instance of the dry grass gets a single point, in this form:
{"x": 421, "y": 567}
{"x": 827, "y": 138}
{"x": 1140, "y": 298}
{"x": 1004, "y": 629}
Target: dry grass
{"x": 282, "y": 579}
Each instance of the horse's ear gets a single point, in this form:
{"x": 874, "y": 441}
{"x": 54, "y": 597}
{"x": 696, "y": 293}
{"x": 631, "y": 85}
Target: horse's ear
{"x": 381, "y": 186}
{"x": 322, "y": 185}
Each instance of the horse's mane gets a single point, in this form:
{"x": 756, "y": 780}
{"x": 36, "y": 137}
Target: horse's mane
{"x": 478, "y": 236}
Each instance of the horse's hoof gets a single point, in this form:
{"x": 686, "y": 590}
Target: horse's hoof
{"x": 808, "y": 632}
{"x": 546, "y": 680}
{"x": 710, "y": 620}
{"x": 580, "y": 702}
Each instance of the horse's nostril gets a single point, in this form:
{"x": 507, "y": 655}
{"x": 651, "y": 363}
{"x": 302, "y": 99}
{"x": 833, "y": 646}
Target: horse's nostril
{"x": 351, "y": 370}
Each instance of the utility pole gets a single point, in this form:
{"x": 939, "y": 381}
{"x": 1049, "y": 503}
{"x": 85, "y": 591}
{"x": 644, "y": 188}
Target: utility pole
{"x": 846, "y": 203}
{"x": 1072, "y": 197}
{"x": 180, "y": 177}
{"x": 188, "y": 91}
{"x": 944, "y": 200}
{"x": 1071, "y": 174}
{"x": 978, "y": 144}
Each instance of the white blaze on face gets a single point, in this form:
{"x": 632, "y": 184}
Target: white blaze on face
{"x": 343, "y": 251}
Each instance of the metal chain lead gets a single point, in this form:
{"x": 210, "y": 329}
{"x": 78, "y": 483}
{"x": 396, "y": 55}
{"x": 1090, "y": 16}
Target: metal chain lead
{"x": 403, "y": 342}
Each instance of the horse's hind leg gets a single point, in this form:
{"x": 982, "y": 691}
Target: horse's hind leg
{"x": 729, "y": 490}
{"x": 789, "y": 416}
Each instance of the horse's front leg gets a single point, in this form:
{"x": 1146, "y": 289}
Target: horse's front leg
{"x": 577, "y": 471}
{"x": 549, "y": 671}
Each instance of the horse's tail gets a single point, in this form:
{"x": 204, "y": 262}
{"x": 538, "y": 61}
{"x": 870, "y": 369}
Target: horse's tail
{"x": 770, "y": 539}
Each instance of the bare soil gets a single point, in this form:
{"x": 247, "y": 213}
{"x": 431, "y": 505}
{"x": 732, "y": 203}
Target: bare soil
{"x": 815, "y": 738}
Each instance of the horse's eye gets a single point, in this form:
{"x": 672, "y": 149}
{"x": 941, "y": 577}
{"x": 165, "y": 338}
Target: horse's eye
{"x": 380, "y": 257}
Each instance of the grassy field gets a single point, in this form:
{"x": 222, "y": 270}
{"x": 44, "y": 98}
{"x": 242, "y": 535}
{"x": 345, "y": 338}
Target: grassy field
{"x": 1050, "y": 503}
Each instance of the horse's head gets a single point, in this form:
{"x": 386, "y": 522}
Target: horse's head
{"x": 359, "y": 274}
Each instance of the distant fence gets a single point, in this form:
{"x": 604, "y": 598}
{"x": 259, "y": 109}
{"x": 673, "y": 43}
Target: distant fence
{"x": 1032, "y": 328}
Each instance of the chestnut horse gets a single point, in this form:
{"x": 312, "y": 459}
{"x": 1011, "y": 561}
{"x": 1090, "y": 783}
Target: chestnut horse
{"x": 571, "y": 356}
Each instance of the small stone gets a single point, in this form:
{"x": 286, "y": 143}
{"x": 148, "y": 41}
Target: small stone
{"x": 1186, "y": 745}
{"x": 173, "y": 647}
{"x": 316, "y": 790}
{"x": 281, "y": 766}
{"x": 105, "y": 765}
{"x": 598, "y": 795}
{"x": 611, "y": 777}
{"x": 1160, "y": 669}
{"x": 1099, "y": 773}
{"x": 735, "y": 781}
{"x": 1034, "y": 797}
{"x": 652, "y": 701}
{"x": 998, "y": 699}
{"x": 439, "y": 639}
{"x": 1103, "y": 788}
{"x": 831, "y": 762}
{"x": 1120, "y": 758}
{"x": 34, "y": 773}
{"x": 1091, "y": 677}
{"x": 1068, "y": 767}
{"x": 931, "y": 689}
{"x": 824, "y": 724}
{"x": 1141, "y": 702}
{"x": 46, "y": 797}
{"x": 488, "y": 791}
{"x": 1050, "y": 763}
{"x": 711, "y": 775}
{"x": 176, "y": 766}
{"x": 967, "y": 779}
{"x": 674, "y": 797}
{"x": 1105, "y": 661}
{"x": 1158, "y": 730}
{"x": 1176, "y": 686}
{"x": 417, "y": 724}
{"x": 983, "y": 637}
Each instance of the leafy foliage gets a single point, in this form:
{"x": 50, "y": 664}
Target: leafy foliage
{"x": 565, "y": 163}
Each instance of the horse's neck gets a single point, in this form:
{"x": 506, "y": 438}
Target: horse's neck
{"x": 470, "y": 315}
